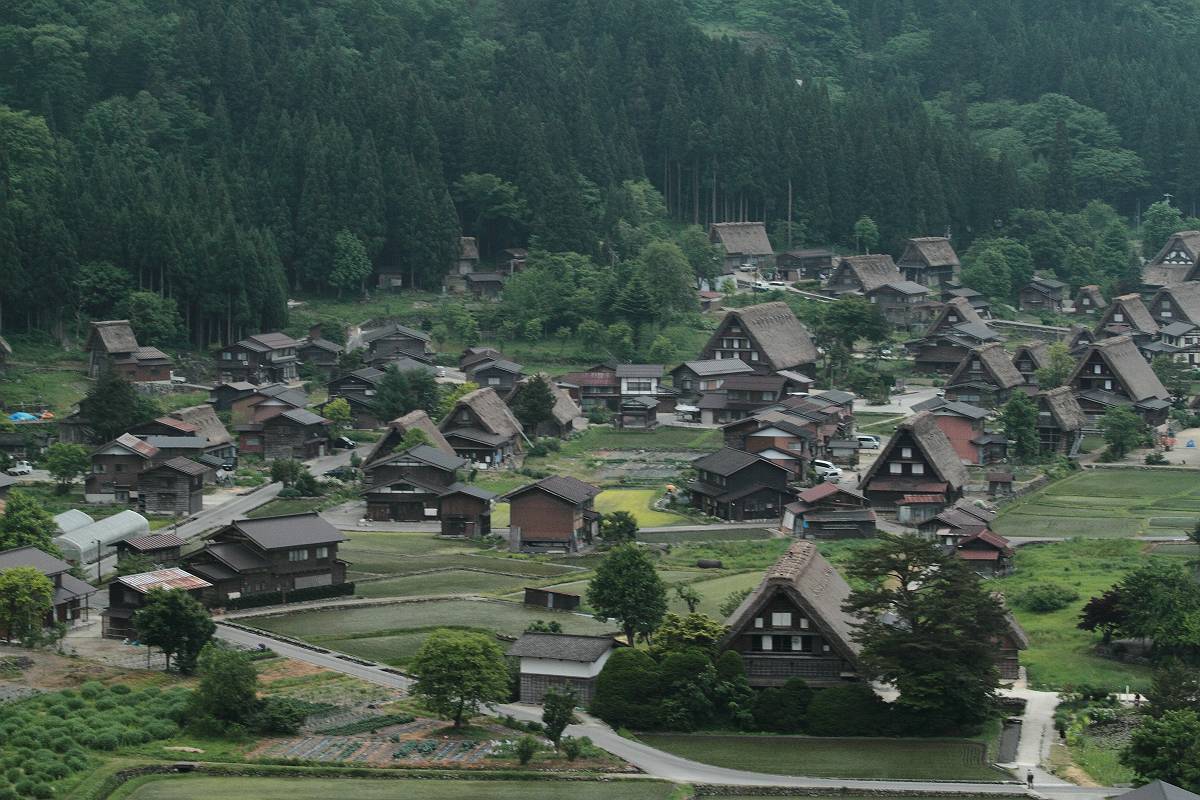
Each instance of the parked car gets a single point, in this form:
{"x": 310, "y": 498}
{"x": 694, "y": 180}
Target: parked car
{"x": 342, "y": 473}
{"x": 867, "y": 442}
{"x": 826, "y": 470}
{"x": 20, "y": 468}
{"x": 344, "y": 443}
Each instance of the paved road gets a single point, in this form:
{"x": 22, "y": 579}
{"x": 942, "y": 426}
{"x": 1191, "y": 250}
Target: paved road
{"x": 900, "y": 403}
{"x": 659, "y": 764}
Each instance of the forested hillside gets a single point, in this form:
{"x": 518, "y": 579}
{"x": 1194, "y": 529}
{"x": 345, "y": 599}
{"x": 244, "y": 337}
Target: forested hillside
{"x": 211, "y": 151}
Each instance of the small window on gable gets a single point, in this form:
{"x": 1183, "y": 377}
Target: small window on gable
{"x": 1097, "y": 369}
{"x": 766, "y": 642}
{"x": 895, "y": 468}
{"x": 918, "y": 469}
{"x": 781, "y": 619}
{"x": 797, "y": 643}
{"x": 804, "y": 623}
{"x": 906, "y": 452}
{"x": 758, "y": 622}
{"x": 1108, "y": 385}
{"x": 1118, "y": 317}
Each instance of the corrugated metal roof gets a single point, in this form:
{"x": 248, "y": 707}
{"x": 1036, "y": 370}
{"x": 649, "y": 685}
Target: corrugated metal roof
{"x": 173, "y": 578}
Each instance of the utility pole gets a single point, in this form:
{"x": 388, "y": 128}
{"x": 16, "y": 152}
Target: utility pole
{"x": 789, "y": 213}
{"x": 99, "y": 559}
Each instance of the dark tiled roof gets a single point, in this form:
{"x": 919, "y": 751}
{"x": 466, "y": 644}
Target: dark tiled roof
{"x": 32, "y": 557}
{"x": 570, "y": 489}
{"x": 302, "y": 416}
{"x": 639, "y": 370}
{"x": 184, "y": 465}
{"x": 176, "y": 442}
{"x": 726, "y": 461}
{"x": 1158, "y": 790}
{"x": 561, "y": 647}
{"x": 289, "y": 530}
{"x": 465, "y": 488}
{"x": 131, "y": 442}
{"x": 394, "y": 329}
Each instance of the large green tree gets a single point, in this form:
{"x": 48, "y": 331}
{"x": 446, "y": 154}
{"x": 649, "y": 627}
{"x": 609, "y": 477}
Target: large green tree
{"x": 351, "y": 264}
{"x": 1164, "y": 749}
{"x": 27, "y": 523}
{"x": 113, "y": 406}
{"x": 533, "y": 403}
{"x": 1123, "y": 430}
{"x": 1019, "y": 419}
{"x": 177, "y": 624}
{"x": 66, "y": 463}
{"x": 1057, "y": 369}
{"x": 458, "y": 673}
{"x": 402, "y": 391}
{"x": 626, "y": 588}
{"x": 26, "y": 597}
{"x": 927, "y": 626}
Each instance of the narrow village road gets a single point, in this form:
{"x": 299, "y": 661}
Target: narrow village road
{"x": 659, "y": 764}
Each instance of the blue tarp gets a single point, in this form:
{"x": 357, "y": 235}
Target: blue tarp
{"x": 21, "y": 416}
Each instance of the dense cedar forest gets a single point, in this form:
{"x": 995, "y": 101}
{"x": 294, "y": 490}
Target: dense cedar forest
{"x": 212, "y": 151}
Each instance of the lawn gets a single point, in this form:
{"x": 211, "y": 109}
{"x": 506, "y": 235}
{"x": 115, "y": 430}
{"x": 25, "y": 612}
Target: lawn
{"x": 1060, "y": 654}
{"x": 453, "y": 581}
{"x": 876, "y": 423}
{"x": 716, "y": 535}
{"x": 714, "y": 591}
{"x": 379, "y": 562}
{"x": 637, "y": 502}
{"x": 862, "y": 759}
{"x": 1106, "y": 504}
{"x": 392, "y": 633}
{"x": 603, "y": 437}
{"x": 192, "y": 786}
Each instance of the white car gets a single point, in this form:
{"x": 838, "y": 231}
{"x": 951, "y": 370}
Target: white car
{"x": 826, "y": 470}
{"x": 867, "y": 442}
{"x": 20, "y": 468}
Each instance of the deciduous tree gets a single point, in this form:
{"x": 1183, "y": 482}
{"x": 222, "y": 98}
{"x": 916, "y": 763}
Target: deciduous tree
{"x": 26, "y": 523}
{"x": 1019, "y": 421}
{"x": 534, "y": 403}
{"x": 626, "y": 588}
{"x": 113, "y": 406}
{"x": 177, "y": 624}
{"x": 618, "y": 527}
{"x": 1123, "y": 430}
{"x": 1165, "y": 749}
{"x": 337, "y": 411}
{"x": 66, "y": 463}
{"x": 1059, "y": 366}
{"x": 558, "y": 711}
{"x": 458, "y": 672}
{"x": 26, "y": 597}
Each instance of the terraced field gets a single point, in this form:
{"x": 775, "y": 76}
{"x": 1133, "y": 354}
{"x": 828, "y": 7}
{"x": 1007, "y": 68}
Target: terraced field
{"x": 1107, "y": 504}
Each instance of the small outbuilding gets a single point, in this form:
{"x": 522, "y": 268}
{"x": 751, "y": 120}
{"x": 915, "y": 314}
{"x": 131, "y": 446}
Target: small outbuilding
{"x": 551, "y": 598}
{"x": 560, "y": 660}
{"x": 1158, "y": 790}
{"x": 127, "y": 594}
{"x": 1000, "y": 484}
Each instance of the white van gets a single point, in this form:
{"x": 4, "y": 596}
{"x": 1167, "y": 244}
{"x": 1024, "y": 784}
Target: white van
{"x": 867, "y": 442}
{"x": 826, "y": 470}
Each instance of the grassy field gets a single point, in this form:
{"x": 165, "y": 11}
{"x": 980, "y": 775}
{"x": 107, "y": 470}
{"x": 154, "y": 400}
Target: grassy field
{"x": 717, "y": 535}
{"x": 603, "y": 437}
{"x": 293, "y": 505}
{"x": 714, "y": 591}
{"x": 637, "y": 502}
{"x": 1107, "y": 504}
{"x": 876, "y": 423}
{"x": 1060, "y": 654}
{"x": 453, "y": 581}
{"x": 906, "y": 759}
{"x": 192, "y": 786}
{"x": 392, "y": 633}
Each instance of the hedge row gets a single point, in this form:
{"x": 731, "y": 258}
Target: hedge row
{"x": 294, "y": 596}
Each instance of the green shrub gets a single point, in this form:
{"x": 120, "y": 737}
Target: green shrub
{"x": 120, "y": 688}
{"x": 289, "y": 493}
{"x": 571, "y": 747}
{"x": 1042, "y": 598}
{"x": 41, "y": 791}
{"x": 9, "y": 793}
{"x": 853, "y": 710}
{"x": 527, "y": 746}
{"x": 92, "y": 689}
{"x": 627, "y": 690}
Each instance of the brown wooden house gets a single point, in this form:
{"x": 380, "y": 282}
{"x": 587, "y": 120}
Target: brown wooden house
{"x": 499, "y": 374}
{"x": 261, "y": 358}
{"x": 814, "y": 264}
{"x": 1113, "y": 373}
{"x": 554, "y": 514}
{"x": 127, "y": 594}
{"x": 1028, "y": 359}
{"x": 829, "y": 511}
{"x": 484, "y": 285}
{"x": 294, "y": 433}
{"x": 1175, "y": 263}
{"x": 989, "y": 554}
{"x": 930, "y": 261}
{"x": 1060, "y": 422}
{"x": 902, "y": 304}
{"x": 70, "y": 603}
{"x": 465, "y": 511}
{"x": 741, "y": 396}
{"x": 693, "y": 378}
{"x": 985, "y": 377}
{"x": 320, "y": 355}
{"x": 745, "y": 244}
{"x": 117, "y": 468}
{"x": 768, "y": 337}
{"x": 175, "y": 488}
{"x": 954, "y": 332}
{"x": 1179, "y": 303}
{"x": 918, "y": 459}
{"x": 1090, "y": 300}
{"x": 111, "y": 345}
{"x": 163, "y": 549}
{"x": 597, "y": 387}
{"x": 265, "y": 402}
{"x": 1043, "y": 294}
{"x": 1127, "y": 315}
{"x": 481, "y": 428}
{"x": 406, "y": 486}
{"x": 394, "y": 341}
{"x": 862, "y": 274}
{"x": 398, "y": 428}
{"x": 269, "y": 554}
{"x": 793, "y": 625}
{"x": 359, "y": 389}
{"x": 736, "y": 486}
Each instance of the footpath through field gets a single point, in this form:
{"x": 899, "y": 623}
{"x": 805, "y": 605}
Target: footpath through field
{"x": 658, "y": 764}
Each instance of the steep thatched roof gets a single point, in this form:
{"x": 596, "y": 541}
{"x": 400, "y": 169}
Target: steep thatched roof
{"x": 995, "y": 362}
{"x": 1134, "y": 313}
{"x": 115, "y": 335}
{"x": 812, "y": 583}
{"x": 1092, "y": 291}
{"x": 491, "y": 410}
{"x": 565, "y": 410}
{"x": 204, "y": 418}
{"x": 1036, "y": 352}
{"x": 1127, "y": 364}
{"x": 784, "y": 341}
{"x": 1186, "y": 297}
{"x": 1063, "y": 408}
{"x": 742, "y": 238}
{"x": 932, "y": 443}
{"x": 1187, "y": 241}
{"x": 930, "y": 251}
{"x": 398, "y": 427}
{"x": 870, "y": 271}
{"x": 958, "y": 307}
